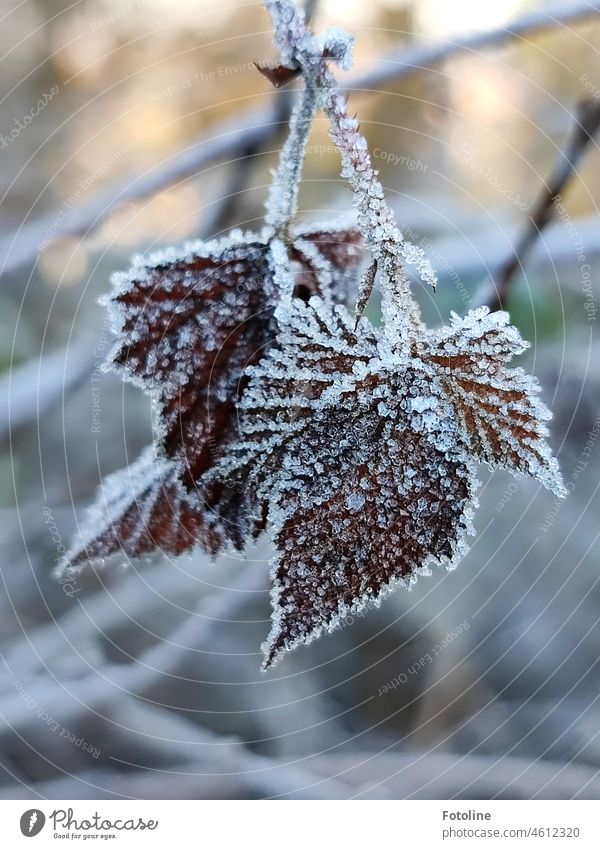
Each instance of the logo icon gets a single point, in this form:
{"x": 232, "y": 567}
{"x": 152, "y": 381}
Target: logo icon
{"x": 32, "y": 822}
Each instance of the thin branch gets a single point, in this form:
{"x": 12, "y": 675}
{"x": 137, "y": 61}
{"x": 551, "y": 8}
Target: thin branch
{"x": 224, "y": 215}
{"x": 283, "y": 194}
{"x": 257, "y": 127}
{"x": 239, "y": 176}
{"x": 587, "y": 125}
{"x": 30, "y": 390}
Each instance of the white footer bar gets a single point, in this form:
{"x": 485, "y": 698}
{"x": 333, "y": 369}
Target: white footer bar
{"x": 301, "y": 824}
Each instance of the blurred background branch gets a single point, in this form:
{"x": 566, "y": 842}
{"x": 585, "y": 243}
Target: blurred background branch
{"x": 242, "y": 136}
{"x": 585, "y": 128}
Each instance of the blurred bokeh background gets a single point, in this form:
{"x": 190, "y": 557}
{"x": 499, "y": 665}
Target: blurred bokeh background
{"x": 144, "y": 681}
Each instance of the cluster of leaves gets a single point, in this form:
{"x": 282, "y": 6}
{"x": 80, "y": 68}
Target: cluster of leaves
{"x": 278, "y": 407}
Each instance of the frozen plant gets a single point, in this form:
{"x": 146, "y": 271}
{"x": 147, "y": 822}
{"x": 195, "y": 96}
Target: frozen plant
{"x": 280, "y": 408}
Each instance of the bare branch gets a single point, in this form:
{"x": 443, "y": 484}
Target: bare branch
{"x": 30, "y": 390}
{"x": 359, "y": 775}
{"x": 586, "y": 126}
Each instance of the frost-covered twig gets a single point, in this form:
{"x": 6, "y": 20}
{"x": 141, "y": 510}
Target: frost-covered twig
{"x": 293, "y": 155}
{"x": 283, "y": 193}
{"x": 375, "y": 218}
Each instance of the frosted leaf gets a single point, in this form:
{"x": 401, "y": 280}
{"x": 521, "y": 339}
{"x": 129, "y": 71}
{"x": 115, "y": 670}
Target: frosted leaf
{"x": 502, "y": 419}
{"x": 328, "y": 255}
{"x": 366, "y": 453}
{"x": 139, "y": 509}
{"x": 188, "y": 324}
{"x": 337, "y": 557}
{"x": 328, "y": 432}
{"x": 146, "y": 507}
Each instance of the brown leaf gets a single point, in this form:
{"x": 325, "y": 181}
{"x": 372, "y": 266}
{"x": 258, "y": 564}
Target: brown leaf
{"x": 345, "y": 552}
{"x": 502, "y": 419}
{"x": 366, "y": 451}
{"x": 187, "y": 330}
{"x": 139, "y": 509}
{"x": 334, "y": 432}
{"x": 278, "y": 75}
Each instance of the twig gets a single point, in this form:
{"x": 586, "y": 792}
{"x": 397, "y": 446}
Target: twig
{"x": 257, "y": 127}
{"x": 241, "y": 170}
{"x": 586, "y": 126}
{"x": 65, "y": 697}
{"x": 32, "y": 389}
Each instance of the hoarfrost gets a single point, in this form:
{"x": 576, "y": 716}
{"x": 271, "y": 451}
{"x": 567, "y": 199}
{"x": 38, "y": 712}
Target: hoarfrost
{"x": 276, "y": 405}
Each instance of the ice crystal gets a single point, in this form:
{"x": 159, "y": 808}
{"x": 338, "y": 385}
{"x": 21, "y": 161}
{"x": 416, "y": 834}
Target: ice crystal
{"x": 277, "y": 406}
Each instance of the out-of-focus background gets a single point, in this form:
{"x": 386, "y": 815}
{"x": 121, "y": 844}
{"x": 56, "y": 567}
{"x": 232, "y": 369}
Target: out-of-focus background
{"x": 144, "y": 681}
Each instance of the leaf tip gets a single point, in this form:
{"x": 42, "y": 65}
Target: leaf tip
{"x": 278, "y": 75}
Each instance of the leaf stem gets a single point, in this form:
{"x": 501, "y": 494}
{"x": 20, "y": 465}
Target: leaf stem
{"x": 282, "y": 202}
{"x": 376, "y": 221}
